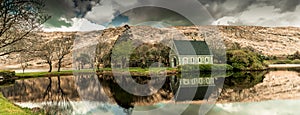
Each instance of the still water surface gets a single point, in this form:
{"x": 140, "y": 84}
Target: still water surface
{"x": 91, "y": 94}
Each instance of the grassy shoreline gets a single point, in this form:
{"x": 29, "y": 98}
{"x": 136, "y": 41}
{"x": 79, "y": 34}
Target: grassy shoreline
{"x": 8, "y": 108}
{"x": 135, "y": 71}
{"x": 42, "y": 74}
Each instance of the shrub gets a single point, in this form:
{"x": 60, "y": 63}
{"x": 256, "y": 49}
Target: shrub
{"x": 296, "y": 55}
{"x": 256, "y": 66}
{"x": 296, "y": 61}
{"x": 245, "y": 60}
{"x": 7, "y": 74}
{"x": 283, "y": 62}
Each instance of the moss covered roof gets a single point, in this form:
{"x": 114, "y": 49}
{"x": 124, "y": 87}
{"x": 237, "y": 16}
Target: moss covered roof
{"x": 190, "y": 47}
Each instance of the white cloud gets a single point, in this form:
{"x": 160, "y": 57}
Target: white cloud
{"x": 262, "y": 16}
{"x": 78, "y": 24}
{"x": 106, "y": 11}
{"x": 101, "y": 14}
{"x": 225, "y": 21}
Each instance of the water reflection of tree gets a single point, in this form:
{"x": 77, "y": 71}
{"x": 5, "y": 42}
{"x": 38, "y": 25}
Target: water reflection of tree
{"x": 241, "y": 80}
{"x": 121, "y": 97}
{"x": 56, "y": 100}
{"x": 127, "y": 100}
{"x": 51, "y": 92}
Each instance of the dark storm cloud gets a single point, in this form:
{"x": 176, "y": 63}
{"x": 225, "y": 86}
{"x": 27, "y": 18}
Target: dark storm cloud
{"x": 254, "y": 12}
{"x": 172, "y": 12}
{"x": 220, "y": 8}
{"x": 145, "y": 14}
{"x": 67, "y": 9}
{"x": 217, "y": 9}
{"x": 286, "y": 5}
{"x": 238, "y": 10}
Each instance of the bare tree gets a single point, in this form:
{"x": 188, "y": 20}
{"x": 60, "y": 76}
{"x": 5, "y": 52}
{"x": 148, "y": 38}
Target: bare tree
{"x": 121, "y": 53}
{"x": 19, "y": 18}
{"x": 55, "y": 49}
{"x": 24, "y": 58}
{"x": 46, "y": 52}
{"x": 101, "y": 51}
{"x": 27, "y": 54}
{"x": 83, "y": 59}
{"x": 63, "y": 47}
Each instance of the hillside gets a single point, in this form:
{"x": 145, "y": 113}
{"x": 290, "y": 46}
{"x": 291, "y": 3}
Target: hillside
{"x": 276, "y": 41}
{"x": 267, "y": 40}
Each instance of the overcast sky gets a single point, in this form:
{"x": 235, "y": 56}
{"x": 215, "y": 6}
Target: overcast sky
{"x": 79, "y": 15}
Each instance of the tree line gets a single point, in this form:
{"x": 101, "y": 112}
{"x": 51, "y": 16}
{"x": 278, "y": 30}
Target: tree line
{"x": 52, "y": 50}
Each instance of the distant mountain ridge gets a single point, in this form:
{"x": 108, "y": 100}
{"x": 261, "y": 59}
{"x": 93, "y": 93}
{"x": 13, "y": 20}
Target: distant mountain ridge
{"x": 267, "y": 40}
{"x": 275, "y": 41}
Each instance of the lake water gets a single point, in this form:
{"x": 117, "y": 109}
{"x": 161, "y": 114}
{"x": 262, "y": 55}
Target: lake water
{"x": 242, "y": 93}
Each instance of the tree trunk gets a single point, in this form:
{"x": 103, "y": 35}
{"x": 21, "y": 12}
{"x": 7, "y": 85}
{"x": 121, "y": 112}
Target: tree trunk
{"x": 92, "y": 66}
{"x": 121, "y": 65}
{"x": 123, "y": 61}
{"x": 159, "y": 62}
{"x": 97, "y": 66}
{"x": 48, "y": 89}
{"x": 81, "y": 66}
{"x": 50, "y": 66}
{"x": 59, "y": 65}
{"x": 144, "y": 62}
{"x": 59, "y": 86}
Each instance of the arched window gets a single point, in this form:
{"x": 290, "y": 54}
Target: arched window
{"x": 206, "y": 59}
{"x": 192, "y": 59}
{"x": 174, "y": 62}
{"x": 199, "y": 60}
{"x": 185, "y": 60}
